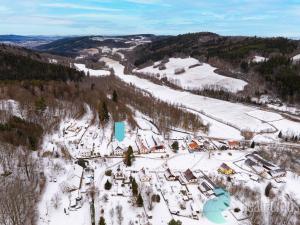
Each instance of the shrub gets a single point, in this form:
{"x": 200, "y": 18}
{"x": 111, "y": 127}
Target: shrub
{"x": 175, "y": 222}
{"x": 108, "y": 173}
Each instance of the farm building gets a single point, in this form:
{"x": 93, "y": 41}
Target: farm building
{"x": 225, "y": 169}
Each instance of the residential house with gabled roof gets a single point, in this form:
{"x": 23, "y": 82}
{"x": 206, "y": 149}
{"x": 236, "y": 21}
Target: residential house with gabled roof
{"x": 233, "y": 144}
{"x": 169, "y": 175}
{"x": 225, "y": 169}
{"x": 144, "y": 175}
{"x": 189, "y": 176}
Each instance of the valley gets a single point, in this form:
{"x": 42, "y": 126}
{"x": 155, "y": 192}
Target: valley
{"x": 182, "y": 152}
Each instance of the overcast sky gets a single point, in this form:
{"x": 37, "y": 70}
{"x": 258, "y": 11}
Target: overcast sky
{"x": 82, "y": 17}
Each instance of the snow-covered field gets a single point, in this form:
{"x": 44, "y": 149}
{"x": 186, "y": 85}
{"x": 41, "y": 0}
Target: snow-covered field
{"x": 265, "y": 116}
{"x": 233, "y": 114}
{"x": 91, "y": 72}
{"x": 195, "y": 76}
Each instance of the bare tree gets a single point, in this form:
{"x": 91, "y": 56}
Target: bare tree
{"x": 120, "y": 217}
{"x": 112, "y": 214}
{"x": 56, "y": 200}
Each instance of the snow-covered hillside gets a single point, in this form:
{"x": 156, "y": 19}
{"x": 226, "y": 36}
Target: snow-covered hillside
{"x": 296, "y": 58}
{"x": 91, "y": 72}
{"x": 190, "y": 74}
{"x": 233, "y": 114}
{"x": 258, "y": 59}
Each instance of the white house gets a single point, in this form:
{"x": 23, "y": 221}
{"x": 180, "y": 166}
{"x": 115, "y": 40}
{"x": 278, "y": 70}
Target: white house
{"x": 144, "y": 175}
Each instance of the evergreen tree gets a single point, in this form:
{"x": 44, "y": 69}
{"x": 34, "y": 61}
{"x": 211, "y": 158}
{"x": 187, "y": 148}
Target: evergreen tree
{"x": 40, "y": 104}
{"x": 134, "y": 187}
{"x": 268, "y": 189}
{"x": 175, "y": 146}
{"x": 107, "y": 185}
{"x": 252, "y": 144}
{"x": 102, "y": 221}
{"x": 103, "y": 113}
{"x": 129, "y": 156}
{"x": 140, "y": 201}
{"x": 115, "y": 96}
{"x": 244, "y": 66}
{"x": 280, "y": 134}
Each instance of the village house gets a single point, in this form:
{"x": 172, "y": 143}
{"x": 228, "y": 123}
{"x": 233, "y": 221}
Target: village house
{"x": 225, "y": 169}
{"x": 118, "y": 150}
{"x": 263, "y": 167}
{"x": 158, "y": 149}
{"x": 233, "y": 145}
{"x": 195, "y": 145}
{"x": 188, "y": 177}
{"x": 144, "y": 175}
{"x": 158, "y": 146}
{"x": 142, "y": 146}
{"x": 119, "y": 175}
{"x": 206, "y": 186}
{"x": 220, "y": 145}
{"x": 169, "y": 175}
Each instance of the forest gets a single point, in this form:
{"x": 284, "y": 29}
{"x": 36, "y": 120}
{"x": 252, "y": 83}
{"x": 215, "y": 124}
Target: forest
{"x": 18, "y": 67}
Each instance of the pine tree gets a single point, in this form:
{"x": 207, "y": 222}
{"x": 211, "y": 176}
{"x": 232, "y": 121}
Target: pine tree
{"x": 129, "y": 156}
{"x": 103, "y": 113}
{"x": 107, "y": 185}
{"x": 175, "y": 146}
{"x": 280, "y": 134}
{"x": 102, "y": 221}
{"x": 268, "y": 190}
{"x": 252, "y": 144}
{"x": 140, "y": 201}
{"x": 115, "y": 96}
{"x": 134, "y": 187}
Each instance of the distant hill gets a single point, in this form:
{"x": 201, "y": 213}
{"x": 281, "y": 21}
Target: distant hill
{"x": 71, "y": 46}
{"x": 27, "y": 41}
{"x": 276, "y": 74}
{"x": 232, "y": 49}
{"x": 22, "y": 64}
